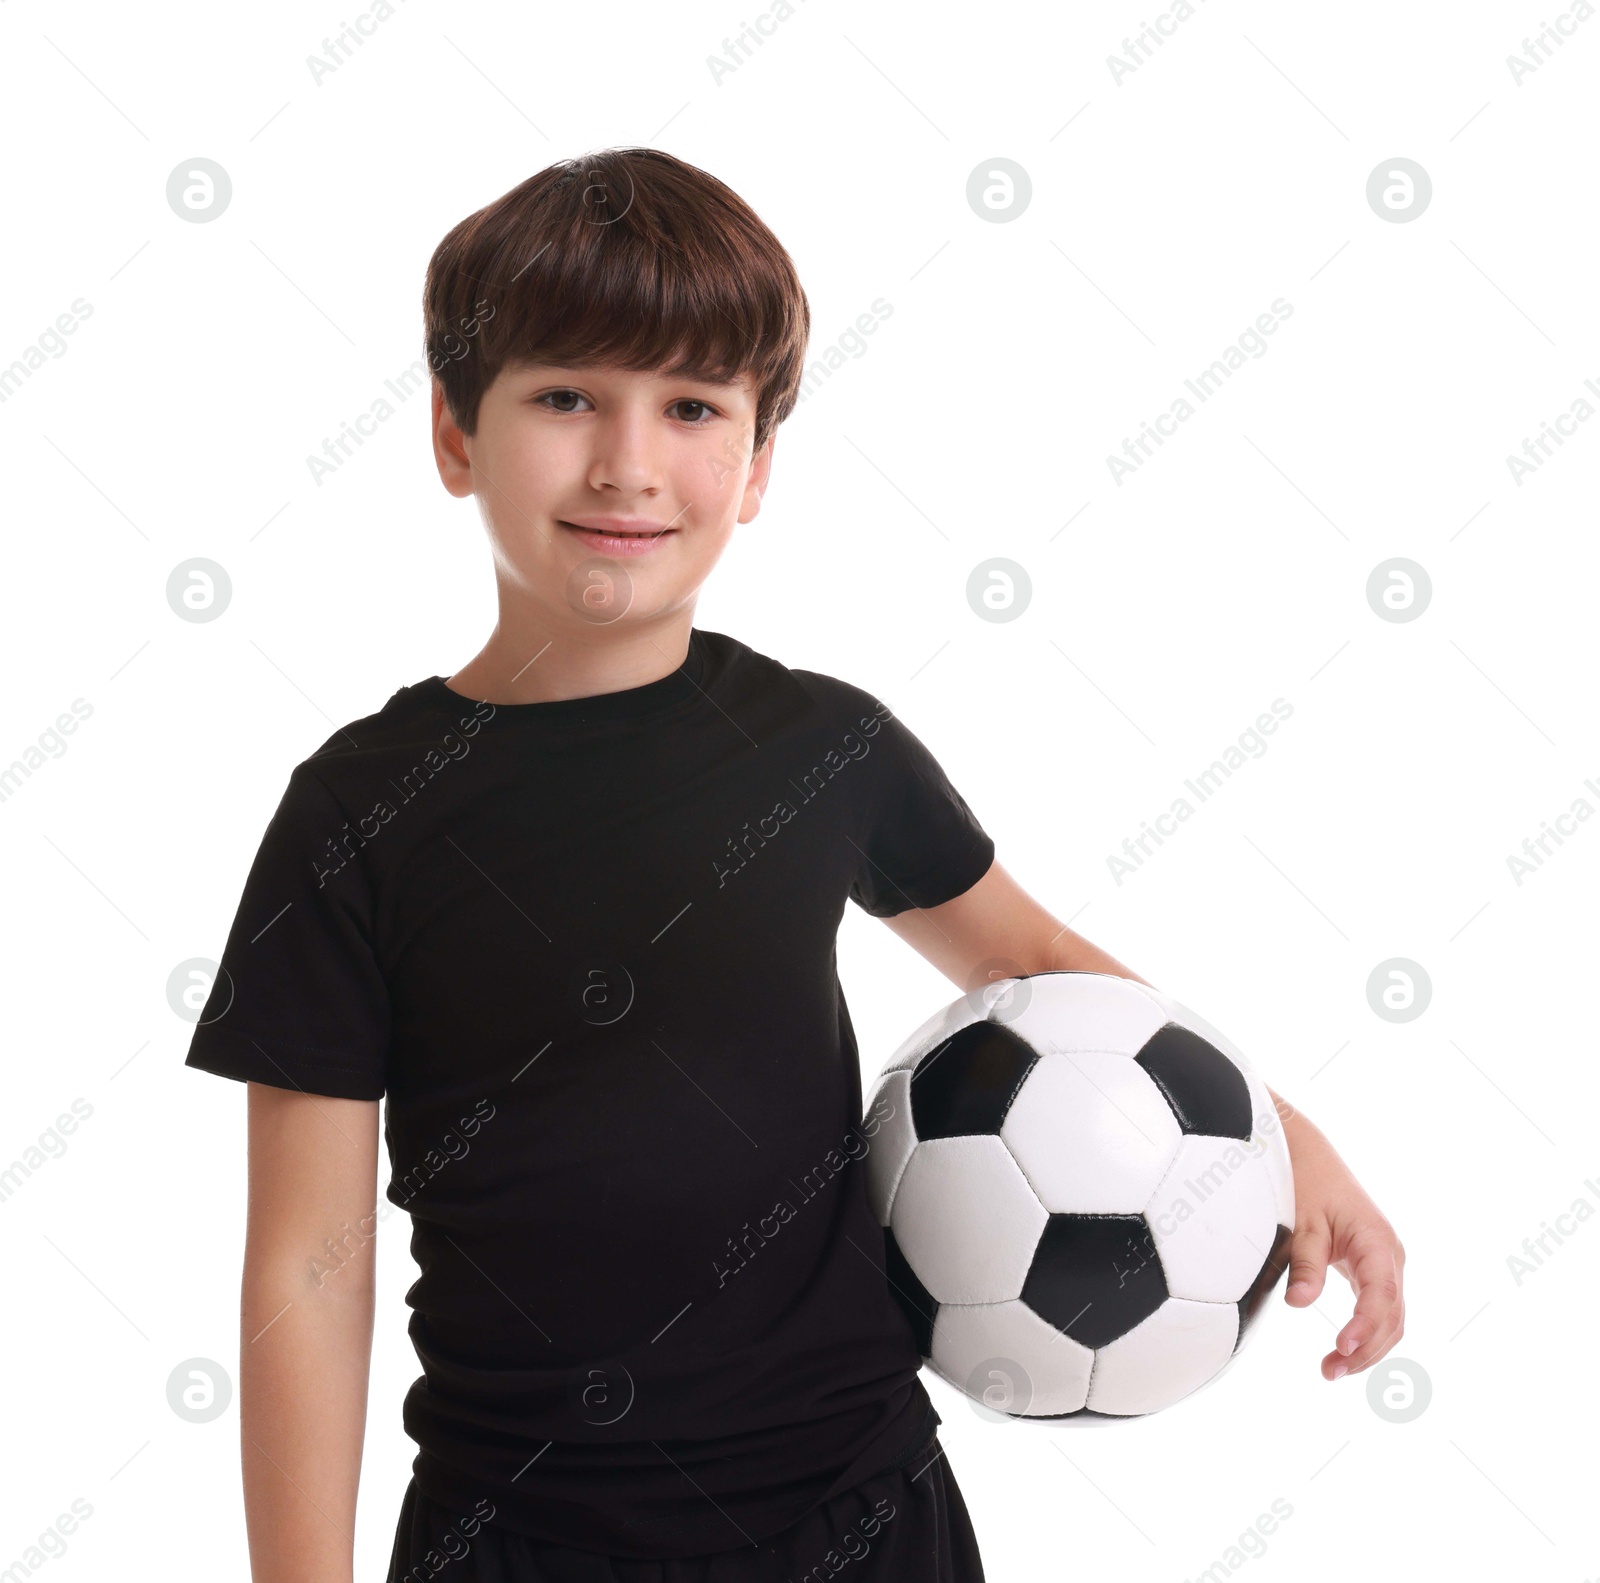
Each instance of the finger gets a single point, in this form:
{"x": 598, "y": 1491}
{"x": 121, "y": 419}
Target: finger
{"x": 1308, "y": 1262}
{"x": 1375, "y": 1349}
{"x": 1384, "y": 1344}
{"x": 1337, "y": 1364}
{"x": 1374, "y": 1273}
{"x": 1377, "y": 1346}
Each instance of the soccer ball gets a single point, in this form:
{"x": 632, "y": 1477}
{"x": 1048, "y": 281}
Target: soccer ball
{"x": 1085, "y": 1193}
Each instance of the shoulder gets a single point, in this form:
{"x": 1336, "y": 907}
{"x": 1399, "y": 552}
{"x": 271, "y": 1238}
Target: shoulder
{"x": 842, "y": 703}
{"x": 418, "y": 717}
{"x": 420, "y": 723}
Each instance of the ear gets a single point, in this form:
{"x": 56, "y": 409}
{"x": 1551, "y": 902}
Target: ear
{"x": 450, "y": 448}
{"x": 756, "y": 484}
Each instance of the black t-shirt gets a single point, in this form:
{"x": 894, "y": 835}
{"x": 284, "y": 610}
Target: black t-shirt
{"x": 586, "y": 948}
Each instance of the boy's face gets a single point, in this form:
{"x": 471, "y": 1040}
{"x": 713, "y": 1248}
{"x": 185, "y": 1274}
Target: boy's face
{"x": 558, "y": 450}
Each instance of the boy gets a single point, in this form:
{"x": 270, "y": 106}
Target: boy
{"x": 573, "y": 911}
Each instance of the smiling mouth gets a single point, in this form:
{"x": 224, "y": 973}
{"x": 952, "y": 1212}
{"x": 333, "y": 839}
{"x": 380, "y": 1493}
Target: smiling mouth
{"x": 618, "y": 533}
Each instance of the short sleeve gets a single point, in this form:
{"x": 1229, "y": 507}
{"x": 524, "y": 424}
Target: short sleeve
{"x": 920, "y": 844}
{"x": 299, "y": 1001}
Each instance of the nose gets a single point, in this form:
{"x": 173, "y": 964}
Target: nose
{"x": 626, "y": 457}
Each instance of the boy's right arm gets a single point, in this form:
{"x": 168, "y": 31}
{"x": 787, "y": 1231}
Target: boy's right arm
{"x": 305, "y": 1342}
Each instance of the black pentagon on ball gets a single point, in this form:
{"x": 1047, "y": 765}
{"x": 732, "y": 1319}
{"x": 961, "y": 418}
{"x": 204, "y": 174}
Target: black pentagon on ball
{"x": 1270, "y": 1273}
{"x": 1207, "y": 1092}
{"x": 965, "y": 1084}
{"x": 916, "y": 1302}
{"x": 1094, "y": 1277}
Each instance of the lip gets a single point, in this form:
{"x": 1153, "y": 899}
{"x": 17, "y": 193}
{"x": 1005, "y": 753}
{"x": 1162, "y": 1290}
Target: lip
{"x": 619, "y": 536}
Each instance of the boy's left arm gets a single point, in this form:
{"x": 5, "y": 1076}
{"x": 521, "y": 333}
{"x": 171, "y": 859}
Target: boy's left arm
{"x": 1335, "y": 1221}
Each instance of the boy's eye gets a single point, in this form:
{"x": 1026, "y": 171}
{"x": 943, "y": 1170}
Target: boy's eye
{"x": 563, "y": 401}
{"x": 558, "y": 396}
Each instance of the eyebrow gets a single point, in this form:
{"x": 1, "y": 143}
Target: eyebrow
{"x": 582, "y": 370}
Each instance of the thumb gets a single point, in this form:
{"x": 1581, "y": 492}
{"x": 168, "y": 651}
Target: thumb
{"x": 1308, "y": 1263}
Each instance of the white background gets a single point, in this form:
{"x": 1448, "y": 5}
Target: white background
{"x": 1166, "y": 613}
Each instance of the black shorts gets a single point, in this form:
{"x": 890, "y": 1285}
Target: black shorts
{"x": 905, "y": 1525}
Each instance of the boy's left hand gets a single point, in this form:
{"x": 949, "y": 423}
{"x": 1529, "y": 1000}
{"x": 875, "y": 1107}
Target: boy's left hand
{"x": 1336, "y": 1222}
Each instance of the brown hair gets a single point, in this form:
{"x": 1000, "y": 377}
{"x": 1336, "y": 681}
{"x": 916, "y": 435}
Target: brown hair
{"x": 628, "y": 258}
